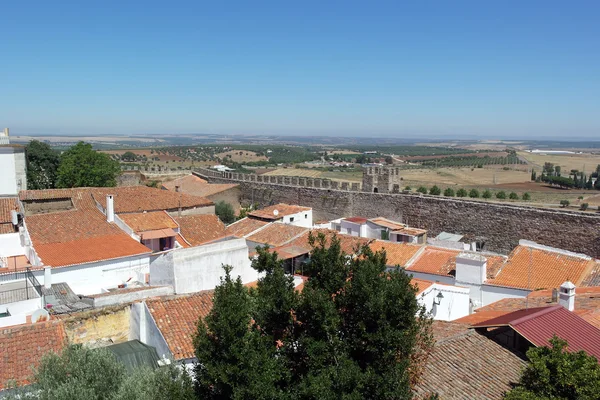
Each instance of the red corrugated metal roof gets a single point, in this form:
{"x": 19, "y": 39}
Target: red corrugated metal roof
{"x": 539, "y": 325}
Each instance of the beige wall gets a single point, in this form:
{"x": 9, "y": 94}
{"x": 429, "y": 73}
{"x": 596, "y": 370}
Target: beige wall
{"x": 231, "y": 196}
{"x": 99, "y": 328}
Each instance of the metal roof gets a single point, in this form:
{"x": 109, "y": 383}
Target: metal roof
{"x": 539, "y": 325}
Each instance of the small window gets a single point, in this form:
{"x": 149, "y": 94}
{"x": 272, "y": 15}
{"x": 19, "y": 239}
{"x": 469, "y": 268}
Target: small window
{"x": 291, "y": 219}
{"x": 349, "y": 231}
{"x": 305, "y": 216}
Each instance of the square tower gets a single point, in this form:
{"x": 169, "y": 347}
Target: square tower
{"x": 378, "y": 179}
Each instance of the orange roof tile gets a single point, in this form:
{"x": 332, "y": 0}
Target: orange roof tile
{"x": 533, "y": 268}
{"x": 143, "y": 198}
{"x": 195, "y": 186}
{"x": 397, "y": 253}
{"x": 277, "y": 234}
{"x": 245, "y": 226}
{"x": 88, "y": 250}
{"x": 478, "y": 317}
{"x": 348, "y": 244}
{"x": 282, "y": 211}
{"x": 198, "y": 229}
{"x": 7, "y": 228}
{"x": 421, "y": 284}
{"x": 393, "y": 225}
{"x": 149, "y": 221}
{"x": 410, "y": 231}
{"x": 23, "y": 346}
{"x": 434, "y": 260}
{"x": 177, "y": 320}
{"x": 7, "y": 204}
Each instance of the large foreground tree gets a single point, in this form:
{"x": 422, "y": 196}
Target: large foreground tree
{"x": 354, "y": 332}
{"x": 82, "y": 166}
{"x": 553, "y": 373}
{"x": 42, "y": 165}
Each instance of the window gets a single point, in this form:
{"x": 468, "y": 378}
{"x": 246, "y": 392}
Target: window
{"x": 291, "y": 219}
{"x": 305, "y": 216}
{"x": 349, "y": 231}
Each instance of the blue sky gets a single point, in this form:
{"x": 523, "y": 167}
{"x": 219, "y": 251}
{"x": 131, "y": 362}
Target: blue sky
{"x": 495, "y": 69}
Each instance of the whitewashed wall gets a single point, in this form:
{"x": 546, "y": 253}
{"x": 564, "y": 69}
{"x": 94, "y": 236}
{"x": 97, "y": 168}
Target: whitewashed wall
{"x": 454, "y": 304}
{"x": 10, "y": 245}
{"x": 8, "y": 177}
{"x": 303, "y": 219}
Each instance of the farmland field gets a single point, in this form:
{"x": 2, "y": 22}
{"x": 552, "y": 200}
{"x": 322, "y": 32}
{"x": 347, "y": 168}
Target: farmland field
{"x": 242, "y": 156}
{"x": 148, "y": 153}
{"x": 567, "y": 162}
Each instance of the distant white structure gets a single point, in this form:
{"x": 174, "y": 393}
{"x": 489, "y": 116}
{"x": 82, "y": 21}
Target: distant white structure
{"x": 13, "y": 176}
{"x": 222, "y": 168}
{"x": 537, "y": 151}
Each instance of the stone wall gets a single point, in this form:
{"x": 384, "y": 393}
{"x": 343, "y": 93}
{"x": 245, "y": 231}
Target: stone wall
{"x": 501, "y": 224}
{"x": 101, "y": 327}
{"x": 129, "y": 178}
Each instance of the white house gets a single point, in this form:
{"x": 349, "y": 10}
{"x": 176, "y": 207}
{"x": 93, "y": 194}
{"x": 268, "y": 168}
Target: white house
{"x": 13, "y": 166}
{"x": 285, "y": 213}
{"x": 443, "y": 302}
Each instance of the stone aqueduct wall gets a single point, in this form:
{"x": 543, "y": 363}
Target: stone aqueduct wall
{"x": 501, "y": 224}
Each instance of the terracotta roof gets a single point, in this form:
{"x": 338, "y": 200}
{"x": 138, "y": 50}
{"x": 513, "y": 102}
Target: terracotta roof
{"x": 142, "y": 198}
{"x": 287, "y": 251}
{"x": 282, "y": 211}
{"x": 23, "y": 346}
{"x": 593, "y": 277}
{"x": 195, "y": 186}
{"x": 177, "y": 320}
{"x": 88, "y": 250}
{"x": 411, "y": 231}
{"x": 470, "y": 366}
{"x": 446, "y": 329}
{"x": 198, "y": 229}
{"x": 434, "y": 260}
{"x": 479, "y": 316}
{"x": 356, "y": 220}
{"x": 7, "y": 204}
{"x": 245, "y": 226}
{"x": 549, "y": 269}
{"x": 421, "y": 284}
{"x": 7, "y": 228}
{"x": 397, "y": 253}
{"x": 149, "y": 221}
{"x": 348, "y": 244}
{"x": 277, "y": 234}
{"x": 538, "y": 325}
{"x": 387, "y": 223}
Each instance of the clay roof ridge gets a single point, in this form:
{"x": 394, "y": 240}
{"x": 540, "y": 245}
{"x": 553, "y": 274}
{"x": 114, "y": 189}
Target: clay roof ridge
{"x": 256, "y": 230}
{"x": 542, "y": 311}
{"x": 415, "y": 257}
{"x": 468, "y": 332}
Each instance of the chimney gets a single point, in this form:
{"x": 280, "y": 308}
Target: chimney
{"x": 110, "y": 208}
{"x": 555, "y": 295}
{"x": 177, "y": 188}
{"x": 47, "y": 277}
{"x": 471, "y": 268}
{"x": 566, "y": 296}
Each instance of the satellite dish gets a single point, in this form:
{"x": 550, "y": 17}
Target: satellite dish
{"x": 40, "y": 316}
{"x": 275, "y": 212}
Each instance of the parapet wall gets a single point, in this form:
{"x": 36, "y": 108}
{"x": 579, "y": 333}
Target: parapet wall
{"x": 501, "y": 224}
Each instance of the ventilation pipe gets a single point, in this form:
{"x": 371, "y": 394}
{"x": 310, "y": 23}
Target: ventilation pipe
{"x": 110, "y": 208}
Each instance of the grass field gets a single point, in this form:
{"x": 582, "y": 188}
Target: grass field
{"x": 148, "y": 153}
{"x": 242, "y": 156}
{"x": 567, "y": 162}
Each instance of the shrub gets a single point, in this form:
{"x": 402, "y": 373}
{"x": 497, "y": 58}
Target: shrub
{"x": 422, "y": 189}
{"x": 461, "y": 193}
{"x": 564, "y": 203}
{"x": 225, "y": 212}
{"x": 474, "y": 193}
{"x": 580, "y": 198}
{"x": 513, "y": 196}
{"x": 501, "y": 195}
{"x": 486, "y": 194}
{"x": 408, "y": 188}
{"x": 526, "y": 196}
{"x": 449, "y": 192}
{"x": 436, "y": 191}
{"x": 584, "y": 206}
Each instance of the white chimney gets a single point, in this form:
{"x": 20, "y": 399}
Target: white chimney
{"x": 471, "y": 268}
{"x": 47, "y": 277}
{"x": 110, "y": 208}
{"x": 566, "y": 296}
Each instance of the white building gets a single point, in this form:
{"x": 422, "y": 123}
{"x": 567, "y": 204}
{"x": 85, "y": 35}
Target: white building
{"x": 12, "y": 165}
{"x": 285, "y": 213}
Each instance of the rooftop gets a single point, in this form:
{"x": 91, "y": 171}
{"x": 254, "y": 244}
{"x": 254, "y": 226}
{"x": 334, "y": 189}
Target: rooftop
{"x": 538, "y": 325}
{"x": 198, "y": 229}
{"x": 7, "y": 204}
{"x": 143, "y": 198}
{"x": 348, "y": 244}
{"x": 280, "y": 209}
{"x": 277, "y": 234}
{"x": 530, "y": 267}
{"x": 410, "y": 231}
{"x": 177, "y": 320}
{"x": 434, "y": 260}
{"x": 421, "y": 284}
{"x": 148, "y": 221}
{"x": 196, "y": 186}
{"x": 245, "y": 226}
{"x": 356, "y": 220}
{"x": 469, "y": 366}
{"x": 397, "y": 253}
{"x": 24, "y": 345}
{"x": 386, "y": 223}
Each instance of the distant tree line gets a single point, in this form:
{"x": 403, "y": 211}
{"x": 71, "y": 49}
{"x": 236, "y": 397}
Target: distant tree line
{"x": 551, "y": 174}
{"x": 473, "y": 193}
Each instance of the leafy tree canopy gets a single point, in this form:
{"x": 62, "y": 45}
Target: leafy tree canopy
{"x": 352, "y": 333}
{"x": 82, "y": 166}
{"x": 225, "y": 212}
{"x": 553, "y": 373}
{"x": 42, "y": 165}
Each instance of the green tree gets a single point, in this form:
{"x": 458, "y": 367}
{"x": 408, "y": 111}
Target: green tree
{"x": 461, "y": 193}
{"x": 82, "y": 166}
{"x": 557, "y": 170}
{"x": 42, "y": 165}
{"x": 449, "y": 192}
{"x": 564, "y": 203}
{"x": 501, "y": 195}
{"x": 435, "y": 190}
{"x": 422, "y": 189}
{"x": 408, "y": 188}
{"x": 474, "y": 193}
{"x": 513, "y": 196}
{"x": 128, "y": 156}
{"x": 225, "y": 212}
{"x": 389, "y": 160}
{"x": 584, "y": 206}
{"x": 526, "y": 196}
{"x": 486, "y": 194}
{"x": 553, "y": 373}
{"x": 533, "y": 175}
{"x": 548, "y": 168}
{"x": 81, "y": 373}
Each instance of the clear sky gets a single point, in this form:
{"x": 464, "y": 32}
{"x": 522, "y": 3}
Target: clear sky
{"x": 491, "y": 68}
